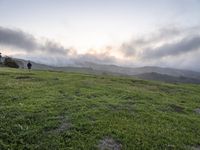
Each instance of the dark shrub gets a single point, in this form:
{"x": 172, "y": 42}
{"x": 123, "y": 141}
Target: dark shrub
{"x": 9, "y": 62}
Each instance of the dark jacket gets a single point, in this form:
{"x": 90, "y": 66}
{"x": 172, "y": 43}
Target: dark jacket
{"x": 29, "y": 65}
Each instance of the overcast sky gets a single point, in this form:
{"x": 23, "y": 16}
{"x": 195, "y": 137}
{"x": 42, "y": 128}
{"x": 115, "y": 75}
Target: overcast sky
{"x": 123, "y": 32}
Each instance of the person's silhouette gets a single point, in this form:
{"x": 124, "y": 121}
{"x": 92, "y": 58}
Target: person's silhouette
{"x": 29, "y": 65}
{"x": 0, "y": 58}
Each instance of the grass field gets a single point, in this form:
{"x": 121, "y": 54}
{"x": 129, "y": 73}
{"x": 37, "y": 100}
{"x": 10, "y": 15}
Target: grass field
{"x": 55, "y": 110}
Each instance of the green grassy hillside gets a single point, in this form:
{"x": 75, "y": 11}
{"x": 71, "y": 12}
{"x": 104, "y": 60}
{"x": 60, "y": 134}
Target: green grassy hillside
{"x": 56, "y": 110}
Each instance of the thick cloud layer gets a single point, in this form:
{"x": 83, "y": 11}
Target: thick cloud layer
{"x": 166, "y": 43}
{"x": 168, "y": 47}
{"x": 27, "y": 42}
{"x": 18, "y": 39}
{"x": 174, "y": 49}
{"x": 48, "y": 52}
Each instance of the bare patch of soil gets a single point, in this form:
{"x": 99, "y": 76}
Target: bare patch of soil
{"x": 176, "y": 108}
{"x": 56, "y": 79}
{"x": 64, "y": 126}
{"x": 4, "y": 74}
{"x": 195, "y": 147}
{"x": 197, "y": 110}
{"x": 23, "y": 77}
{"x": 121, "y": 107}
{"x": 109, "y": 143}
{"x": 28, "y": 78}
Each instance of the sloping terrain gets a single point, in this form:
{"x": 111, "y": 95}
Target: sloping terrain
{"x": 94, "y": 68}
{"x": 58, "y": 110}
{"x": 141, "y": 70}
{"x": 167, "y": 78}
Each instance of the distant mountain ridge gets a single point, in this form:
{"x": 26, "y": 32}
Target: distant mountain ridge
{"x": 167, "y": 78}
{"x": 147, "y": 72}
{"x": 142, "y": 70}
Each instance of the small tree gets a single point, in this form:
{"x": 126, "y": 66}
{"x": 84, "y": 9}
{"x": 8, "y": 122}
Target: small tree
{"x": 9, "y": 62}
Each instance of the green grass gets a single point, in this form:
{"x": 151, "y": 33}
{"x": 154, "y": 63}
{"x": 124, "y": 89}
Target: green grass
{"x": 56, "y": 110}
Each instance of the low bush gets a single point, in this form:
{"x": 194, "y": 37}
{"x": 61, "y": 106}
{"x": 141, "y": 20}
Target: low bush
{"x": 9, "y": 62}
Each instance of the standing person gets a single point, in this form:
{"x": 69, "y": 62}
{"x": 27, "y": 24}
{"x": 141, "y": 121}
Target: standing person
{"x": 0, "y": 59}
{"x": 29, "y": 65}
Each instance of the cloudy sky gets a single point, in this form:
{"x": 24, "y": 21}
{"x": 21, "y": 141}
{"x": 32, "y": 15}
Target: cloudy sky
{"x": 122, "y": 32}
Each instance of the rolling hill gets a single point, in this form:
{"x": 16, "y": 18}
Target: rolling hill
{"x": 66, "y": 110}
{"x": 148, "y": 72}
{"x": 167, "y": 78}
